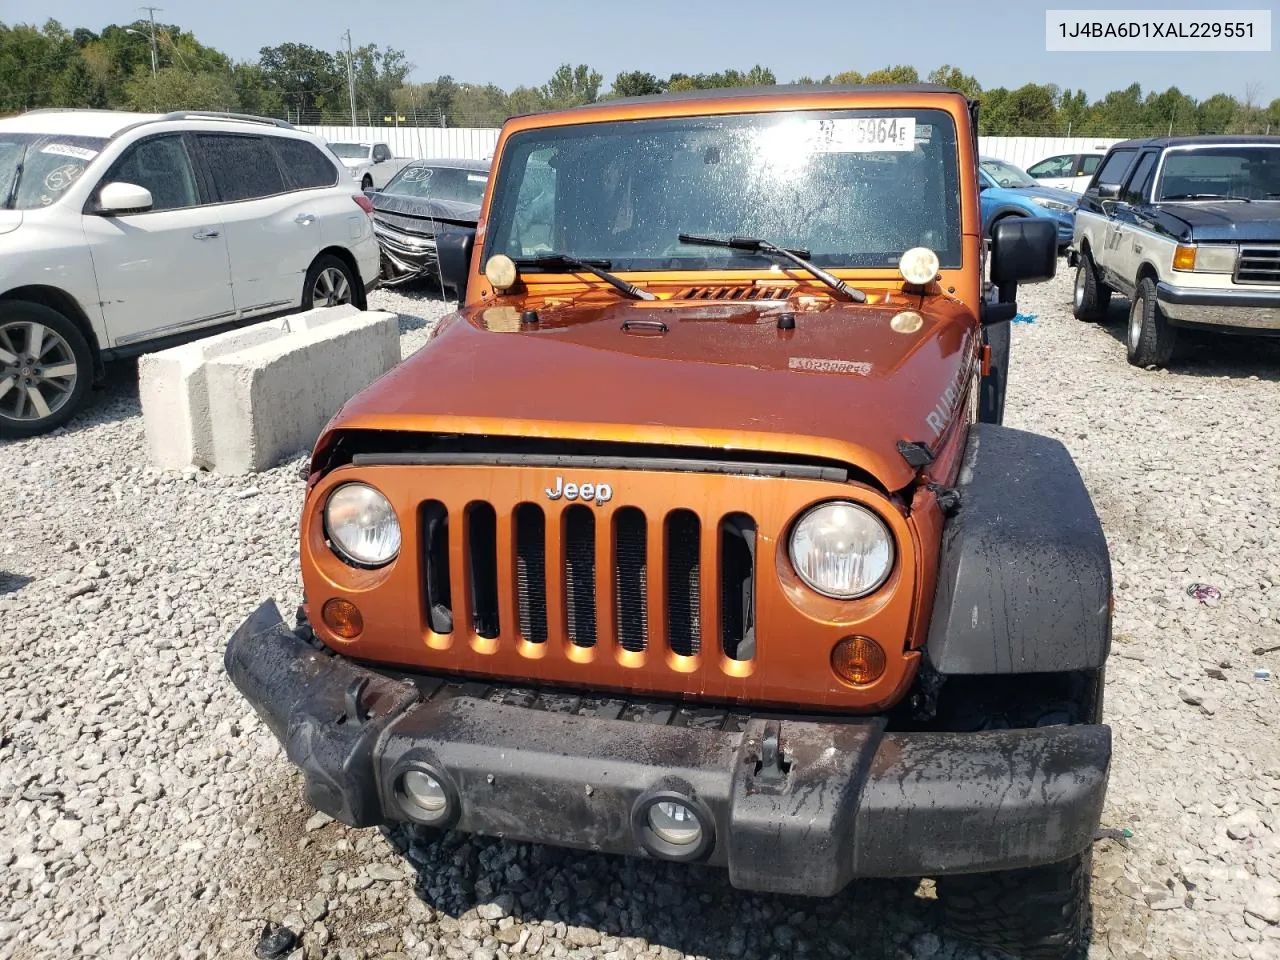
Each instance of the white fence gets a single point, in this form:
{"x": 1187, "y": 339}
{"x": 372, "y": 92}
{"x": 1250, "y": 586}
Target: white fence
{"x": 477, "y": 143}
{"x": 465, "y": 143}
{"x": 1024, "y": 151}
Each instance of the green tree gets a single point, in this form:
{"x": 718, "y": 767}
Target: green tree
{"x": 1168, "y": 113}
{"x": 1215, "y": 114}
{"x": 890, "y": 75}
{"x": 636, "y": 83}
{"x": 175, "y": 89}
{"x": 477, "y": 105}
{"x": 1118, "y": 114}
{"x": 76, "y": 86}
{"x": 378, "y": 73}
{"x": 1073, "y": 112}
{"x": 307, "y": 80}
{"x": 31, "y": 61}
{"x": 254, "y": 93}
{"x": 949, "y": 76}
{"x": 525, "y": 100}
{"x": 572, "y": 86}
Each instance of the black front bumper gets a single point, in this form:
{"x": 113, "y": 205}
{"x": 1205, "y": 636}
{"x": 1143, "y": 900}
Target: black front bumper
{"x": 847, "y": 800}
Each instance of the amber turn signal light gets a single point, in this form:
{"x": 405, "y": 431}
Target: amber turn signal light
{"x": 858, "y": 660}
{"x": 1184, "y": 257}
{"x": 343, "y": 618}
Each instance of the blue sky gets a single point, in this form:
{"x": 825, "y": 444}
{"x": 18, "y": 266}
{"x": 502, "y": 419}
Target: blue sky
{"x": 504, "y": 41}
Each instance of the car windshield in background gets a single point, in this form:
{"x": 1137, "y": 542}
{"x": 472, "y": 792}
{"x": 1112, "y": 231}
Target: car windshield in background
{"x": 350, "y": 151}
{"x": 1006, "y": 174}
{"x": 1227, "y": 172}
{"x": 854, "y": 188}
{"x": 36, "y": 168}
{"x": 438, "y": 183}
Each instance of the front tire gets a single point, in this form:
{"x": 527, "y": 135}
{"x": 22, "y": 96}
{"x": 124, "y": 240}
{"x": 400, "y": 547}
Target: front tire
{"x": 1149, "y": 339}
{"x": 1091, "y": 297}
{"x": 1041, "y": 913}
{"x": 329, "y": 283}
{"x": 45, "y": 369}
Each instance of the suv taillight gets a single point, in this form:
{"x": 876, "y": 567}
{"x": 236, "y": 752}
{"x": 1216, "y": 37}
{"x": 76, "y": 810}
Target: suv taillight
{"x": 364, "y": 203}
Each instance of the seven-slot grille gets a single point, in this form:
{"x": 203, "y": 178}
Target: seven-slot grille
{"x": 1258, "y": 264}
{"x": 573, "y": 577}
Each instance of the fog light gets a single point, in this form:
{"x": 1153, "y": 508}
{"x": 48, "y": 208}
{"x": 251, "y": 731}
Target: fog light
{"x": 343, "y": 618}
{"x": 858, "y": 660}
{"x": 675, "y": 823}
{"x": 425, "y": 794}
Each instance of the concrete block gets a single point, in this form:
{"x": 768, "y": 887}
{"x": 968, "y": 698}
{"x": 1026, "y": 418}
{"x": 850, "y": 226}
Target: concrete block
{"x": 272, "y": 399}
{"x": 174, "y": 394}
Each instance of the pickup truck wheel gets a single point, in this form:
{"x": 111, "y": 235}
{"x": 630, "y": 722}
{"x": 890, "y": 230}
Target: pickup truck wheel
{"x": 1091, "y": 297}
{"x": 1150, "y": 339}
{"x": 1041, "y": 913}
{"x": 329, "y": 283}
{"x": 45, "y": 369}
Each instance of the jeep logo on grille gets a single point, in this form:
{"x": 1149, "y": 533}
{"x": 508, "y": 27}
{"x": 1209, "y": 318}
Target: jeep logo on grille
{"x": 601, "y": 493}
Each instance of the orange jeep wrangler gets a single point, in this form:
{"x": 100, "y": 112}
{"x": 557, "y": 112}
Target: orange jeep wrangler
{"x": 694, "y": 534}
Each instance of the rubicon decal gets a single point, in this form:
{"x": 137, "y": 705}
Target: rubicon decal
{"x": 601, "y": 493}
{"x": 938, "y": 417}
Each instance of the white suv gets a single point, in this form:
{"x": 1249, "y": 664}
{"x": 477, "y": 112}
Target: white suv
{"x": 122, "y": 233}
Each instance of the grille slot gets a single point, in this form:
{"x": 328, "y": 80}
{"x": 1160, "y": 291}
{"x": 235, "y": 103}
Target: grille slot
{"x": 1258, "y": 265}
{"x": 631, "y": 578}
{"x": 482, "y": 551}
{"x": 435, "y": 557}
{"x": 531, "y": 572}
{"x": 684, "y": 591}
{"x": 733, "y": 293}
{"x": 737, "y": 587}
{"x": 580, "y": 575}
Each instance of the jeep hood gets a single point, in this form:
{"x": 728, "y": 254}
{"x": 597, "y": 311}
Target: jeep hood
{"x": 843, "y": 385}
{"x": 1229, "y": 221}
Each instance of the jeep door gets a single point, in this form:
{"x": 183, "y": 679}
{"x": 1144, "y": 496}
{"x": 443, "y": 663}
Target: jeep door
{"x": 272, "y": 229}
{"x": 162, "y": 270}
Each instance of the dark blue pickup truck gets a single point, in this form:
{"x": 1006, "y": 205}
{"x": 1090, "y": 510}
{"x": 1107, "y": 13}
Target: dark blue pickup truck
{"x": 1188, "y": 228}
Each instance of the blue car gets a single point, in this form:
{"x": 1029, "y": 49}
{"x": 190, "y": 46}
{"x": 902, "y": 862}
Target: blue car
{"x": 1008, "y": 191}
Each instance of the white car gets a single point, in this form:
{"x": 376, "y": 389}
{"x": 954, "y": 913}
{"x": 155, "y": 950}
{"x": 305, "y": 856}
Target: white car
{"x": 122, "y": 233}
{"x": 1067, "y": 171}
{"x": 371, "y": 165}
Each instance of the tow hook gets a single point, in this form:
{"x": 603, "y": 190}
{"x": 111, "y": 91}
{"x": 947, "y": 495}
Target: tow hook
{"x": 947, "y": 497}
{"x": 772, "y": 765}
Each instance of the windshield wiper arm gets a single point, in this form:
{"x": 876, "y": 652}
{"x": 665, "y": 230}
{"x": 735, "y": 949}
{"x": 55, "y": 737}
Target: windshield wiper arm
{"x": 11, "y": 198}
{"x": 798, "y": 257}
{"x": 1205, "y": 196}
{"x": 594, "y": 267}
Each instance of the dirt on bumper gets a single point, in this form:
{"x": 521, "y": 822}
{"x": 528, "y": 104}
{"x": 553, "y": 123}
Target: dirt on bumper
{"x": 789, "y": 805}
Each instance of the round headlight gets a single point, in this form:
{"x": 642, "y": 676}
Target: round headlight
{"x": 361, "y": 525}
{"x": 918, "y": 265}
{"x": 842, "y": 550}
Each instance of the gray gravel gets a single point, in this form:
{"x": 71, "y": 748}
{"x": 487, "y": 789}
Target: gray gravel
{"x": 145, "y": 812}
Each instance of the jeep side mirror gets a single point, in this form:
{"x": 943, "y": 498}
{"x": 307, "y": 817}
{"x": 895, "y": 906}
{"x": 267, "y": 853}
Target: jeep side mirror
{"x": 1023, "y": 250}
{"x": 453, "y": 248}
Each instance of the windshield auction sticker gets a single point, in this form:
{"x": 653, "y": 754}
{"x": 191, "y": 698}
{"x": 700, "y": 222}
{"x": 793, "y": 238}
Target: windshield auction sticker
{"x": 66, "y": 150}
{"x": 863, "y": 135}
{"x": 1077, "y": 31}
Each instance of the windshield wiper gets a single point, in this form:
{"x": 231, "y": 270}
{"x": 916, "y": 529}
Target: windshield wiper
{"x": 594, "y": 267}
{"x": 798, "y": 257}
{"x": 11, "y": 199}
{"x": 1205, "y": 196}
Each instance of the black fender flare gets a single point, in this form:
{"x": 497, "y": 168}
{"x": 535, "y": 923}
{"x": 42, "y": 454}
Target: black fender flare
{"x": 1024, "y": 573}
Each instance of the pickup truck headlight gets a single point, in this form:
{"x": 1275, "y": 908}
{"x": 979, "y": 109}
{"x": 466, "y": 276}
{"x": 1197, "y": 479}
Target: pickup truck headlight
{"x": 1049, "y": 204}
{"x": 1210, "y": 259}
{"x": 842, "y": 550}
{"x": 361, "y": 525}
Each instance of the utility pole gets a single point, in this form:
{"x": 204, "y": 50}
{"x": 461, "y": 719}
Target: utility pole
{"x": 151, "y": 13}
{"x": 351, "y": 78}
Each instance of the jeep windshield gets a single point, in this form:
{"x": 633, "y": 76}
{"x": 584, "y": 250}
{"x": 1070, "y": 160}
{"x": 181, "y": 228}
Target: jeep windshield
{"x": 36, "y": 168}
{"x": 1238, "y": 172}
{"x": 853, "y": 188}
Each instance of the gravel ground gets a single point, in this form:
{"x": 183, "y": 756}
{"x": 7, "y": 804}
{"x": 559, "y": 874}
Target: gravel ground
{"x": 145, "y": 812}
